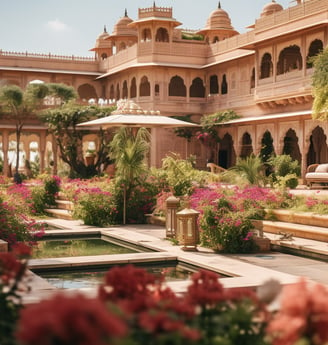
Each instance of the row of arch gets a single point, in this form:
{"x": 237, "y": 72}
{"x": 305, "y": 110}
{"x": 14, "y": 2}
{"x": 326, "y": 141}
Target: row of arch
{"x": 290, "y": 58}
{"x": 161, "y": 35}
{"x": 317, "y": 151}
{"x": 176, "y": 87}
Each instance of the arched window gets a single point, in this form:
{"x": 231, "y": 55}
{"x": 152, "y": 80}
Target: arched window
{"x": 267, "y": 149}
{"x": 318, "y": 150}
{"x": 291, "y": 146}
{"x": 156, "y": 89}
{"x": 290, "y": 59}
{"x": 111, "y": 92}
{"x": 197, "y": 88}
{"x": 316, "y": 47}
{"x": 125, "y": 90}
{"x": 226, "y": 154}
{"x": 253, "y": 78}
{"x": 162, "y": 35}
{"x": 87, "y": 91}
{"x": 215, "y": 39}
{"x": 146, "y": 35}
{"x": 247, "y": 148}
{"x": 177, "y": 87}
{"x": 144, "y": 88}
{"x": 224, "y": 85}
{"x": 122, "y": 46}
{"x": 103, "y": 56}
{"x": 118, "y": 94}
{"x": 266, "y": 66}
{"x": 133, "y": 88}
{"x": 214, "y": 85}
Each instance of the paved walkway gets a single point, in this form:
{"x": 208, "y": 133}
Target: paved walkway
{"x": 243, "y": 270}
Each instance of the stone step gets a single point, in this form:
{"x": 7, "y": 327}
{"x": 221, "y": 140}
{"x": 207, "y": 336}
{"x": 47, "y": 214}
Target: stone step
{"x": 64, "y": 204}
{"x": 306, "y": 218}
{"x": 59, "y": 213}
{"x": 317, "y": 233}
{"x": 61, "y": 196}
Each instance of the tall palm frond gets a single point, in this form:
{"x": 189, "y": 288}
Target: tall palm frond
{"x": 251, "y": 169}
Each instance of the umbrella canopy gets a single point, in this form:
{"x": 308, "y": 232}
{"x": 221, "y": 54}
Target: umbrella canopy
{"x": 131, "y": 115}
{"x": 134, "y": 120}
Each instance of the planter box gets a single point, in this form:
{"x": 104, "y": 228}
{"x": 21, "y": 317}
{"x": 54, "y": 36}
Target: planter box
{"x": 263, "y": 243}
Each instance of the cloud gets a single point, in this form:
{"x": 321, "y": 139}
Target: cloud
{"x": 57, "y": 26}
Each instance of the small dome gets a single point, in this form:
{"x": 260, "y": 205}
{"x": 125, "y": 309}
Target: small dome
{"x": 271, "y": 8}
{"x": 219, "y": 19}
{"x": 122, "y": 28}
{"x": 103, "y": 35}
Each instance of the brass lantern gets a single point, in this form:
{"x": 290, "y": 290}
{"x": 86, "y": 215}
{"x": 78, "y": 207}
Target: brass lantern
{"x": 172, "y": 204}
{"x": 187, "y": 228}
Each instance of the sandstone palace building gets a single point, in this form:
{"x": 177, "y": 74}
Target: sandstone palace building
{"x": 264, "y": 75}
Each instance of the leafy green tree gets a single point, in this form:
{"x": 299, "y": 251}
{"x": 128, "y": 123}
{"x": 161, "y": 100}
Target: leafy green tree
{"x": 320, "y": 86}
{"x": 21, "y": 105}
{"x": 62, "y": 123}
{"x": 129, "y": 148}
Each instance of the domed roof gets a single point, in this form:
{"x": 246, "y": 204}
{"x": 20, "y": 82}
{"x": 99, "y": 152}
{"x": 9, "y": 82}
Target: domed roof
{"x": 122, "y": 28}
{"x": 104, "y": 34}
{"x": 101, "y": 41}
{"x": 271, "y": 8}
{"x": 219, "y": 19}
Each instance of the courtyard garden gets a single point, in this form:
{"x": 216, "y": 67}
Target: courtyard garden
{"x": 134, "y": 307}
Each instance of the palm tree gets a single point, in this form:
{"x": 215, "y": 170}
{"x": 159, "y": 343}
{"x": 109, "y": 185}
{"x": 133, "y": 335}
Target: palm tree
{"x": 129, "y": 148}
{"x": 251, "y": 169}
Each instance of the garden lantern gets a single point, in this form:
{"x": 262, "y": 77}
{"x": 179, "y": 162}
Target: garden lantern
{"x": 187, "y": 228}
{"x": 172, "y": 204}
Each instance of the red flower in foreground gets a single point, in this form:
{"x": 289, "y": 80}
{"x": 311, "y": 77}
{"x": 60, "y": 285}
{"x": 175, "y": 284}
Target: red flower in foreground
{"x": 131, "y": 287}
{"x": 10, "y": 267}
{"x": 68, "y": 320}
{"x": 303, "y": 314}
{"x": 205, "y": 288}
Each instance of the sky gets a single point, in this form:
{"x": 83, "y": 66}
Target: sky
{"x": 71, "y": 27}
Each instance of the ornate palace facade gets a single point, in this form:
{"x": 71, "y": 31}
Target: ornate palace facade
{"x": 264, "y": 75}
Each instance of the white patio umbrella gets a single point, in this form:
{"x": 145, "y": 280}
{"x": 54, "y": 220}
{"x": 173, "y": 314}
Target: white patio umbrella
{"x": 129, "y": 114}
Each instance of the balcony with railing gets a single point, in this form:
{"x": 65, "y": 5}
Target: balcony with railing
{"x": 294, "y": 84}
{"x": 293, "y": 13}
{"x": 47, "y": 61}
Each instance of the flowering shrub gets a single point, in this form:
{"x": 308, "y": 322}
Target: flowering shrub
{"x": 79, "y": 320}
{"x": 226, "y": 213}
{"x": 95, "y": 207}
{"x": 12, "y": 274}
{"x": 20, "y": 196}
{"x": 135, "y": 307}
{"x": 301, "y": 320}
{"x": 99, "y": 201}
{"x": 15, "y": 226}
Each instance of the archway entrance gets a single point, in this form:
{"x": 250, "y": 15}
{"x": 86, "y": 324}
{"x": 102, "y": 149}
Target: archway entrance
{"x": 226, "y": 154}
{"x": 318, "y": 151}
{"x": 291, "y": 146}
{"x": 246, "y": 146}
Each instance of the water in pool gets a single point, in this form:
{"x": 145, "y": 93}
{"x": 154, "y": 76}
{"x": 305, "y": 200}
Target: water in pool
{"x": 93, "y": 277}
{"x": 77, "y": 247}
